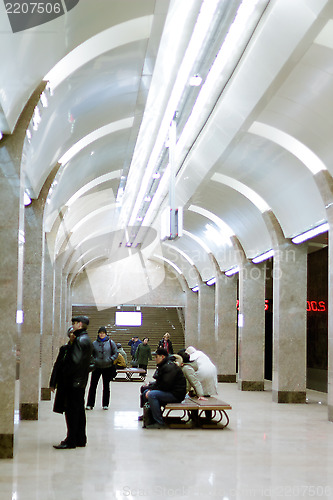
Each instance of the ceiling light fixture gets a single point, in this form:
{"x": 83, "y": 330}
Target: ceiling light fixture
{"x": 200, "y": 32}
{"x": 26, "y": 199}
{"x": 195, "y": 81}
{"x": 311, "y": 233}
{"x": 232, "y": 271}
{"x": 264, "y": 256}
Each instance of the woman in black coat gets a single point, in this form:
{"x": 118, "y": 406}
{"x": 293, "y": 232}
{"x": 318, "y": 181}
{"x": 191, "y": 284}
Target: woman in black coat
{"x": 166, "y": 343}
{"x": 57, "y": 381}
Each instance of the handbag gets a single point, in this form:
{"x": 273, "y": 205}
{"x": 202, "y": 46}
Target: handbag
{"x": 147, "y": 415}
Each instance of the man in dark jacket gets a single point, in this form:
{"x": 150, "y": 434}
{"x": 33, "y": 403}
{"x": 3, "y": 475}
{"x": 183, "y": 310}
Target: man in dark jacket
{"x": 74, "y": 373}
{"x": 169, "y": 387}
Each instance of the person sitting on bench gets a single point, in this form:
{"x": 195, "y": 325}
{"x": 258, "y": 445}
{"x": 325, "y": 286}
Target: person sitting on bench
{"x": 169, "y": 387}
{"x": 190, "y": 368}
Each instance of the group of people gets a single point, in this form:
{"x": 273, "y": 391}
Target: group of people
{"x": 70, "y": 374}
{"x": 190, "y": 371}
{"x": 175, "y": 375}
{"x": 141, "y": 351}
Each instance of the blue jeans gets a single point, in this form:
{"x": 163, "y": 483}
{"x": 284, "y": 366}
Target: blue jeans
{"x": 157, "y": 399}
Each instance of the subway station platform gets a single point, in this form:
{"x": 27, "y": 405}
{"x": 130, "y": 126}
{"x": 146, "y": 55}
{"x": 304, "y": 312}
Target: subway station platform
{"x": 268, "y": 451}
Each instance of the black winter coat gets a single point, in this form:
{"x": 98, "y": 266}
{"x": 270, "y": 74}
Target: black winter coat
{"x": 57, "y": 381}
{"x": 78, "y": 360}
{"x": 71, "y": 369}
{"x": 169, "y": 378}
{"x": 105, "y": 352}
{"x": 166, "y": 344}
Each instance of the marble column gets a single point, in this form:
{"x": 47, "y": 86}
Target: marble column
{"x": 58, "y": 332}
{"x": 226, "y": 327}
{"x": 206, "y": 321}
{"x": 324, "y": 182}
{"x": 32, "y": 328}
{"x": 47, "y": 353}
{"x": 30, "y": 338}
{"x": 251, "y": 327}
{"x": 10, "y": 148}
{"x": 11, "y": 283}
{"x": 191, "y": 318}
{"x": 289, "y": 323}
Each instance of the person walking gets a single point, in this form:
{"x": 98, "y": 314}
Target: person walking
{"x": 166, "y": 343}
{"x": 104, "y": 352}
{"x": 73, "y": 371}
{"x": 143, "y": 354}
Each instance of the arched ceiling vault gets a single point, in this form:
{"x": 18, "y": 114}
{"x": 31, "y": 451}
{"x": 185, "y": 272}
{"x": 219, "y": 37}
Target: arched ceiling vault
{"x": 250, "y": 138}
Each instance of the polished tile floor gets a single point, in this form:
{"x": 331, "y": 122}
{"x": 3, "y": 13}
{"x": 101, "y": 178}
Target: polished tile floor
{"x": 269, "y": 451}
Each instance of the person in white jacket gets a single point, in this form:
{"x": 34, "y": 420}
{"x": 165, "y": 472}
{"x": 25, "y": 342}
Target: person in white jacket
{"x": 207, "y": 372}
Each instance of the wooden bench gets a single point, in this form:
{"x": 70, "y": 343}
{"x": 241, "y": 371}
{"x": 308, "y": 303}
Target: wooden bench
{"x": 193, "y": 414}
{"x": 130, "y": 372}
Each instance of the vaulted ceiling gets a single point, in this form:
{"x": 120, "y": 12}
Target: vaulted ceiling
{"x": 130, "y": 136}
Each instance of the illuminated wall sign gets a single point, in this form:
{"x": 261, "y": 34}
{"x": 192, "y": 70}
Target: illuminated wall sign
{"x": 266, "y": 305}
{"x": 128, "y": 318}
{"x": 315, "y": 305}
{"x": 311, "y": 305}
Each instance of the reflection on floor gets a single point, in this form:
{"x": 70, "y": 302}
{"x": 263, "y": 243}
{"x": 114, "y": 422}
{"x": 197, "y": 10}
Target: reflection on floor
{"x": 268, "y": 451}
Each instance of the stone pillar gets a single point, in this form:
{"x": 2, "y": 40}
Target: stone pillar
{"x": 191, "y": 318}
{"x": 58, "y": 332}
{"x": 330, "y": 318}
{"x": 32, "y": 329}
{"x": 65, "y": 323}
{"x": 289, "y": 323}
{"x": 206, "y": 321}
{"x": 48, "y": 356}
{"x": 11, "y": 285}
{"x": 251, "y": 327}
{"x": 324, "y": 182}
{"x": 226, "y": 327}
{"x": 10, "y": 150}
{"x": 30, "y": 338}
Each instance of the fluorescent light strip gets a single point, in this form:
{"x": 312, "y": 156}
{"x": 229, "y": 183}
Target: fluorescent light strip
{"x": 19, "y": 316}
{"x": 246, "y": 17}
{"x": 311, "y": 233}
{"x": 211, "y": 282}
{"x": 232, "y": 271}
{"x": 244, "y": 14}
{"x": 26, "y": 199}
{"x": 195, "y": 288}
{"x": 263, "y": 256}
{"x": 200, "y": 32}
